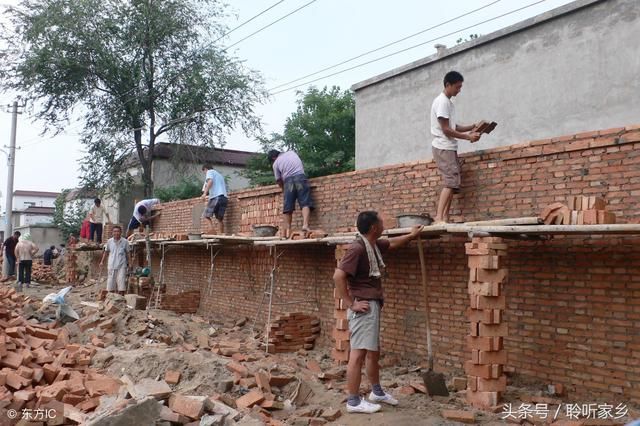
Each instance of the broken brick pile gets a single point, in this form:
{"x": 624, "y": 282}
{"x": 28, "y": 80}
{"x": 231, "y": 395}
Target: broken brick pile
{"x": 42, "y": 273}
{"x": 488, "y": 274}
{"x": 294, "y": 331}
{"x": 42, "y": 369}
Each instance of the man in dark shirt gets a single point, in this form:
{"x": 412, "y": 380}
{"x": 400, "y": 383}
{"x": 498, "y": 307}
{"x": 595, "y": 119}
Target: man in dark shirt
{"x": 358, "y": 280}
{"x": 48, "y": 255}
{"x": 9, "y": 248}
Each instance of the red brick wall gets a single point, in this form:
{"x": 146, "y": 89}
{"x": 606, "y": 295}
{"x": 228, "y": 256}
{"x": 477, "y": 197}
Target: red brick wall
{"x": 573, "y": 303}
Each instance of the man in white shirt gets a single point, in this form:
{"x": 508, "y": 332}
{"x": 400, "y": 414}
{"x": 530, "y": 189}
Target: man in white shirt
{"x": 118, "y": 249}
{"x": 25, "y": 250}
{"x": 446, "y": 131}
{"x": 96, "y": 218}
{"x": 142, "y": 214}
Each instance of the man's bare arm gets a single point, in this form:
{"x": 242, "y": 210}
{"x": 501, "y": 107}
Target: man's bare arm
{"x": 461, "y": 128}
{"x": 449, "y": 132}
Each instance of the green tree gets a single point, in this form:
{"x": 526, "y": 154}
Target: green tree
{"x": 321, "y": 131}
{"x": 186, "y": 188}
{"x": 68, "y": 215}
{"x": 138, "y": 70}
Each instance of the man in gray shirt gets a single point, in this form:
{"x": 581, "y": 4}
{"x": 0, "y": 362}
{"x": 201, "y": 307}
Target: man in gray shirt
{"x": 118, "y": 249}
{"x": 289, "y": 173}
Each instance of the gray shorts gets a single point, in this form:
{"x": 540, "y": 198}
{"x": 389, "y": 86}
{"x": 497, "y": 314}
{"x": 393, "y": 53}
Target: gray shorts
{"x": 449, "y": 167}
{"x": 365, "y": 327}
{"x": 216, "y": 206}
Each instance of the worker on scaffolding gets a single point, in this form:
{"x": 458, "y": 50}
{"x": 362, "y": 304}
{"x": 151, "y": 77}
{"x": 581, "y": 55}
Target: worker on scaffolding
{"x": 142, "y": 214}
{"x": 290, "y": 176}
{"x": 214, "y": 192}
{"x": 119, "y": 251}
{"x": 358, "y": 280}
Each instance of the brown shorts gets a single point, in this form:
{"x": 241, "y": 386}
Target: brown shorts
{"x": 449, "y": 167}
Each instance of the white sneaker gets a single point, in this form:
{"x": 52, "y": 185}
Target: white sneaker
{"x": 364, "y": 407}
{"x": 387, "y": 398}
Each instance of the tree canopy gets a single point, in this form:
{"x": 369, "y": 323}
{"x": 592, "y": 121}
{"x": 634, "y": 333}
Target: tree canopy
{"x": 138, "y": 70}
{"x": 321, "y": 131}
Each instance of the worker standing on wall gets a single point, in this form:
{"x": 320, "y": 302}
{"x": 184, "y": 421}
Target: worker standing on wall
{"x": 214, "y": 192}
{"x": 358, "y": 280}
{"x": 446, "y": 131}
{"x": 289, "y": 173}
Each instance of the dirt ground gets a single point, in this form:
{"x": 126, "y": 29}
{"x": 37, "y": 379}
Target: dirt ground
{"x": 148, "y": 343}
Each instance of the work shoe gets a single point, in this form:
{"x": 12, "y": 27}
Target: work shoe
{"x": 364, "y": 407}
{"x": 386, "y": 398}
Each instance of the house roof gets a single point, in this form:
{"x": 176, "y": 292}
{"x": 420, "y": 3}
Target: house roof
{"x": 203, "y": 154}
{"x": 80, "y": 194}
{"x": 36, "y": 210}
{"x": 36, "y": 194}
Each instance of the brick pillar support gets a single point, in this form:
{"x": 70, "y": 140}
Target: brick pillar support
{"x": 340, "y": 334}
{"x": 485, "y": 378}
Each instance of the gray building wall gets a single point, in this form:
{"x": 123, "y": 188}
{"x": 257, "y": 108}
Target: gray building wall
{"x": 572, "y": 69}
{"x": 166, "y": 173}
{"x": 42, "y": 236}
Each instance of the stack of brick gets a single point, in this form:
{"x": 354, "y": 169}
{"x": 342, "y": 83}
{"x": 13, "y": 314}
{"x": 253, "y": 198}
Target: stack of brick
{"x": 580, "y": 210}
{"x": 71, "y": 266}
{"x": 292, "y": 332}
{"x": 340, "y": 334}
{"x": 488, "y": 274}
{"x": 42, "y": 369}
{"x": 589, "y": 211}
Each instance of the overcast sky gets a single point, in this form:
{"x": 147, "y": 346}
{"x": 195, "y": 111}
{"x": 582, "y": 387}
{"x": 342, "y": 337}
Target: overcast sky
{"x": 320, "y": 35}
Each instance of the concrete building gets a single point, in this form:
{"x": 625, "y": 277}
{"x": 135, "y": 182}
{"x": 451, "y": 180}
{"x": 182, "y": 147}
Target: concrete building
{"x": 31, "y": 207}
{"x": 43, "y": 235}
{"x": 565, "y": 71}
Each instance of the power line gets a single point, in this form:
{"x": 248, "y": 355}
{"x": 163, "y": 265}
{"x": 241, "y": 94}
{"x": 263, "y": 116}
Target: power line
{"x": 247, "y": 21}
{"x": 272, "y": 23}
{"x": 408, "y": 48}
{"x": 385, "y": 46}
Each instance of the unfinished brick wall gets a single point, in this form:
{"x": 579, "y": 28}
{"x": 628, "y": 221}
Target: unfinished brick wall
{"x": 573, "y": 304}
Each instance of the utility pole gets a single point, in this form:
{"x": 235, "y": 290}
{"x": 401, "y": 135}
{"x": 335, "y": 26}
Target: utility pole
{"x": 11, "y": 163}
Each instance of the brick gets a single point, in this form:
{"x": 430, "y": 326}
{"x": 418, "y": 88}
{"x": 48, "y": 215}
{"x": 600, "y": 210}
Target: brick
{"x": 12, "y": 360}
{"x": 486, "y": 371}
{"x": 605, "y": 217}
{"x": 172, "y": 377}
{"x": 189, "y": 407}
{"x": 590, "y": 217}
{"x": 484, "y": 343}
{"x": 485, "y": 262}
{"x": 493, "y": 276}
{"x": 493, "y": 330}
{"x": 459, "y": 416}
{"x": 338, "y": 355}
{"x": 419, "y": 387}
{"x": 342, "y": 324}
{"x": 406, "y": 390}
{"x": 486, "y": 302}
{"x": 483, "y": 399}
{"x": 250, "y": 399}
{"x": 103, "y": 386}
{"x": 279, "y": 381}
{"x": 262, "y": 381}
{"x": 492, "y": 385}
{"x": 489, "y": 357}
{"x": 238, "y": 368}
{"x": 484, "y": 288}
{"x": 485, "y": 316}
{"x": 596, "y": 203}
{"x": 459, "y": 383}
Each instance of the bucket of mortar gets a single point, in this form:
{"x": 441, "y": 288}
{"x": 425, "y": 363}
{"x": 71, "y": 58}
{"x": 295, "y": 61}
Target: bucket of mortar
{"x": 264, "y": 230}
{"x": 409, "y": 220}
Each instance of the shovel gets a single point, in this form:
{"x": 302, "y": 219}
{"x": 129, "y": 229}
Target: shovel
{"x": 434, "y": 382}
